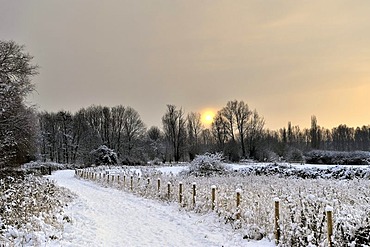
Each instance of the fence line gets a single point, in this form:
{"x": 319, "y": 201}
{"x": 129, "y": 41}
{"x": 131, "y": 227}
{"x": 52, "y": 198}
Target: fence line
{"x": 86, "y": 174}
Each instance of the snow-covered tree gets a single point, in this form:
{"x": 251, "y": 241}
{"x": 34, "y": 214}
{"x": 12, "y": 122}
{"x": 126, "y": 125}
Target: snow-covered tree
{"x": 104, "y": 156}
{"x": 17, "y": 121}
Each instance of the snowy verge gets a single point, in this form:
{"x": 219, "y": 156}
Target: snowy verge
{"x": 31, "y": 210}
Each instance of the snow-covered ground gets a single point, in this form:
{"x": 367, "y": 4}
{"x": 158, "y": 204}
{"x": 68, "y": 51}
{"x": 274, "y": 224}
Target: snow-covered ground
{"x": 109, "y": 217}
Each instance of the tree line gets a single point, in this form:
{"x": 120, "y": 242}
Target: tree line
{"x": 237, "y": 131}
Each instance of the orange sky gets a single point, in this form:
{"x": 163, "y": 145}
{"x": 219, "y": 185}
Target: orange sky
{"x": 287, "y": 59}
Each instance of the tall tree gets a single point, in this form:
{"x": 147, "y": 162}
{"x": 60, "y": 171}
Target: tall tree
{"x": 255, "y": 132}
{"x": 314, "y": 133}
{"x": 237, "y": 115}
{"x": 242, "y": 114}
{"x": 175, "y": 130}
{"x": 133, "y": 129}
{"x": 220, "y": 131}
{"x": 117, "y": 124}
{"x": 155, "y": 143}
{"x": 17, "y": 121}
{"x": 194, "y": 128}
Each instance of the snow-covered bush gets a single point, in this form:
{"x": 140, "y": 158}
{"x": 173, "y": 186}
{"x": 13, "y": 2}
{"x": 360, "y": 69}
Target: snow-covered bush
{"x": 104, "y": 156}
{"x": 295, "y": 155}
{"x": 31, "y": 209}
{"x": 207, "y": 164}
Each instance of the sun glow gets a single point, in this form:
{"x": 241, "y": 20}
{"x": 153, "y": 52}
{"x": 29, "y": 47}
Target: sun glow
{"x": 207, "y": 117}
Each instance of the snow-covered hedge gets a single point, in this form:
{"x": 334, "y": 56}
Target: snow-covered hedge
{"x": 286, "y": 170}
{"x": 207, "y": 164}
{"x": 38, "y": 167}
{"x": 338, "y": 158}
{"x": 31, "y": 210}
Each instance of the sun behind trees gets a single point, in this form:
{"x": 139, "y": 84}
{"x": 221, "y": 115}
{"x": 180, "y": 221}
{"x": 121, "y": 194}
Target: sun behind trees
{"x": 236, "y": 131}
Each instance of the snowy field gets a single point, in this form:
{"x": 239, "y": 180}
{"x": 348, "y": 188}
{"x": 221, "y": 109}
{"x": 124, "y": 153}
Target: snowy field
{"x": 303, "y": 202}
{"x": 109, "y": 217}
{"x": 123, "y": 206}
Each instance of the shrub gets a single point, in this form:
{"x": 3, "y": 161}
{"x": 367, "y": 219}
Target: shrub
{"x": 104, "y": 156}
{"x": 207, "y": 164}
{"x": 295, "y": 155}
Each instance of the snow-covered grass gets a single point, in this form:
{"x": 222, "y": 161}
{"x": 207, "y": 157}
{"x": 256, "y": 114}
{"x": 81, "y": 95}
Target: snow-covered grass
{"x": 107, "y": 216}
{"x": 302, "y": 203}
{"x": 31, "y": 210}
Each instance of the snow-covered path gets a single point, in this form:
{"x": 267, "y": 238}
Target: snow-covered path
{"x": 109, "y": 217}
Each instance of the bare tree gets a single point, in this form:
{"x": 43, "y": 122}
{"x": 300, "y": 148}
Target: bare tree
{"x": 220, "y": 131}
{"x": 228, "y": 113}
{"x": 117, "y": 123}
{"x": 174, "y": 128}
{"x": 242, "y": 114}
{"x": 133, "y": 129}
{"x": 314, "y": 133}
{"x": 207, "y": 141}
{"x": 194, "y": 129}
{"x": 255, "y": 132}
{"x": 155, "y": 143}
{"x": 236, "y": 114}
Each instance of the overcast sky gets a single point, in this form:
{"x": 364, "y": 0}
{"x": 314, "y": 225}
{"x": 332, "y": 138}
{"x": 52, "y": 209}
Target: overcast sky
{"x": 287, "y": 59}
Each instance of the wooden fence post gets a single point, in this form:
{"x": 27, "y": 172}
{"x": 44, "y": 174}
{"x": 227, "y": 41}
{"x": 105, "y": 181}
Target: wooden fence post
{"x": 238, "y": 191}
{"x": 159, "y": 185}
{"x": 180, "y": 192}
{"x": 329, "y": 216}
{"x": 213, "y": 196}
{"x": 169, "y": 190}
{"x": 277, "y": 219}
{"x": 132, "y": 182}
{"x": 124, "y": 180}
{"x": 148, "y": 181}
{"x": 108, "y": 178}
{"x": 194, "y": 193}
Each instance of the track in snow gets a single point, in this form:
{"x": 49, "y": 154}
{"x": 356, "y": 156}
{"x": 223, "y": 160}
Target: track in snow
{"x": 109, "y": 217}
